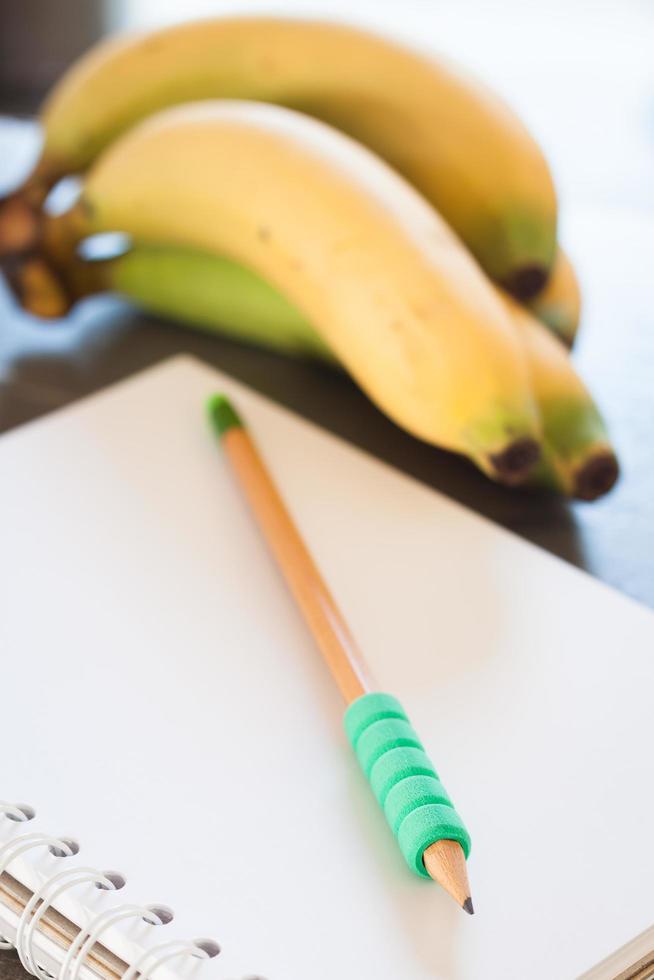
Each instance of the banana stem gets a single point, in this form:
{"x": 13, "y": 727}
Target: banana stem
{"x": 61, "y": 235}
{"x": 48, "y": 280}
{"x": 21, "y": 212}
{"x": 20, "y": 225}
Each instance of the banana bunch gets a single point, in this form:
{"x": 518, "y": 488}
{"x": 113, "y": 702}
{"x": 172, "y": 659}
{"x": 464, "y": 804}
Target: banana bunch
{"x": 453, "y": 140}
{"x": 333, "y": 194}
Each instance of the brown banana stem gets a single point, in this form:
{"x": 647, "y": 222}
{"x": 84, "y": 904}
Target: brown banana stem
{"x": 20, "y": 225}
{"x": 61, "y": 235}
{"x": 37, "y": 286}
{"x": 48, "y": 280}
{"x": 21, "y": 212}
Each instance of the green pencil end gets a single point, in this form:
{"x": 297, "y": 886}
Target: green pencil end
{"x": 222, "y": 415}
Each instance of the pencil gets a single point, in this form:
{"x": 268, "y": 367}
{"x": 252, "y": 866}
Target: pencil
{"x": 405, "y": 783}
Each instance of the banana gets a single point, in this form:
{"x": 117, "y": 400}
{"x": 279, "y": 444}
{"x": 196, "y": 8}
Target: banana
{"x": 577, "y": 455}
{"x": 389, "y": 288}
{"x": 459, "y": 145}
{"x": 558, "y": 305}
{"x": 217, "y": 294}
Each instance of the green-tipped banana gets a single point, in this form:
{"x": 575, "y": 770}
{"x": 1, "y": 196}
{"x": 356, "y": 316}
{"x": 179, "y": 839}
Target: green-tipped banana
{"x": 217, "y": 294}
{"x": 366, "y": 260}
{"x": 558, "y": 305}
{"x": 577, "y": 458}
{"x": 455, "y": 141}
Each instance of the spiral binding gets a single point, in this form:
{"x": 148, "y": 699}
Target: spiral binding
{"x": 30, "y": 918}
{"x": 82, "y": 946}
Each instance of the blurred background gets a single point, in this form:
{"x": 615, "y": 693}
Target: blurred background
{"x": 581, "y": 75}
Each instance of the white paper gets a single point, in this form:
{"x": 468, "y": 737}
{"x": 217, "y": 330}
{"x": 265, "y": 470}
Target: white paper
{"x": 162, "y": 700}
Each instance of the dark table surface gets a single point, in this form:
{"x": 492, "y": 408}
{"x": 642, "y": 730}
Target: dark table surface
{"x": 10, "y": 968}
{"x": 593, "y": 107}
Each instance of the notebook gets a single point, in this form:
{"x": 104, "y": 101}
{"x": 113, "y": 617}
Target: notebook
{"x": 163, "y": 705}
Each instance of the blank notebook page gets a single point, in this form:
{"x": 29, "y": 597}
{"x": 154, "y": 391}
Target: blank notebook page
{"x": 162, "y": 699}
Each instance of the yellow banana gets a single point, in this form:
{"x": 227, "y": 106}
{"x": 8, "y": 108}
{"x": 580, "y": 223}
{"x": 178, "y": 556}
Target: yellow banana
{"x": 362, "y": 256}
{"x": 460, "y": 146}
{"x": 217, "y": 294}
{"x": 577, "y": 455}
{"x": 558, "y": 305}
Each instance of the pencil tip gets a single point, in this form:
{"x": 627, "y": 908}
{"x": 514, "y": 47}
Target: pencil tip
{"x": 222, "y": 414}
{"x": 445, "y": 862}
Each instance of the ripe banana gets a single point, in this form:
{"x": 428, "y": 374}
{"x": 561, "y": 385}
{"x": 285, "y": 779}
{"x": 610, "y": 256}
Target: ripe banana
{"x": 217, "y": 294}
{"x": 577, "y": 455}
{"x": 361, "y": 255}
{"x": 459, "y": 145}
{"x": 558, "y": 305}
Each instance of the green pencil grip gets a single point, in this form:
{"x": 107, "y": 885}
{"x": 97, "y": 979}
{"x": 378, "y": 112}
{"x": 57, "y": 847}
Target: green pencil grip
{"x": 405, "y": 783}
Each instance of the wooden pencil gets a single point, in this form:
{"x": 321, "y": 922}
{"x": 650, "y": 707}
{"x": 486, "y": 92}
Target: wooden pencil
{"x": 444, "y": 860}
